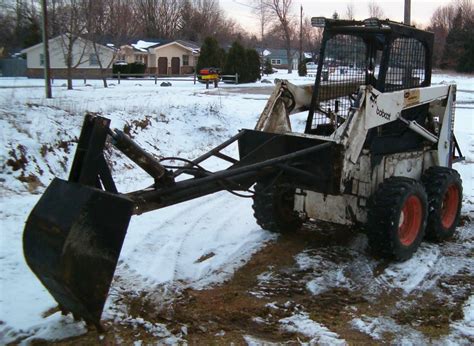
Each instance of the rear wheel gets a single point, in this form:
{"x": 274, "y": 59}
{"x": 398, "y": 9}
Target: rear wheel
{"x": 444, "y": 188}
{"x": 397, "y": 218}
{"x": 273, "y": 207}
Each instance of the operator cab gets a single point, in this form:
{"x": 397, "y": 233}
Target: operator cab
{"x": 386, "y": 55}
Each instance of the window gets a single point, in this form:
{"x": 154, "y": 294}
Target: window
{"x": 139, "y": 58}
{"x": 41, "y": 59}
{"x": 276, "y": 61}
{"x": 185, "y": 60}
{"x": 93, "y": 61}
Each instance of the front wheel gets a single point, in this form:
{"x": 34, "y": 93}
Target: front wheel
{"x": 273, "y": 207}
{"x": 444, "y": 188}
{"x": 397, "y": 218}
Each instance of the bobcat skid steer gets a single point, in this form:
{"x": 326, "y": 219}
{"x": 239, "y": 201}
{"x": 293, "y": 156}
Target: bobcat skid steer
{"x": 377, "y": 150}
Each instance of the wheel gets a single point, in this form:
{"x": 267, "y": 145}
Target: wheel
{"x": 444, "y": 188}
{"x": 273, "y": 208}
{"x": 397, "y": 218}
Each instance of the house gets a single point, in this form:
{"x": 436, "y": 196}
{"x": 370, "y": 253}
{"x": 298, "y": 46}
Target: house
{"x": 279, "y": 58}
{"x": 84, "y": 58}
{"x": 161, "y": 56}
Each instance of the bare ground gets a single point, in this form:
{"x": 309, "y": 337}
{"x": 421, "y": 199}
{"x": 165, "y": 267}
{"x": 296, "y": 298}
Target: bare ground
{"x": 273, "y": 286}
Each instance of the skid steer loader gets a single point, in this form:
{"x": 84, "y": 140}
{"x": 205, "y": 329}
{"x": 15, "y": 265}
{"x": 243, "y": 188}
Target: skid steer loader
{"x": 377, "y": 151}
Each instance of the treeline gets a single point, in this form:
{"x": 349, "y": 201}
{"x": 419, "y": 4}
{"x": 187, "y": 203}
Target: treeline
{"x": 453, "y": 27}
{"x": 117, "y": 21}
{"x": 243, "y": 61}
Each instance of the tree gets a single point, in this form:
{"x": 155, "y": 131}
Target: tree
{"x": 457, "y": 52}
{"x": 268, "y": 68}
{"x": 70, "y": 19}
{"x": 236, "y": 62}
{"x": 261, "y": 10}
{"x": 302, "y": 68}
{"x": 312, "y": 38}
{"x": 253, "y": 61}
{"x": 212, "y": 55}
{"x": 96, "y": 19}
{"x": 281, "y": 9}
{"x": 350, "y": 11}
{"x": 375, "y": 10}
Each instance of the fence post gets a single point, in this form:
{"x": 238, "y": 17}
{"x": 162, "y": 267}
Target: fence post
{"x": 236, "y": 78}
{"x": 207, "y": 83}
{"x": 156, "y": 78}
{"x": 118, "y": 77}
{"x": 194, "y": 77}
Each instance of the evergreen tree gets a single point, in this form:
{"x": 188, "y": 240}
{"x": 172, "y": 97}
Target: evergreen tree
{"x": 459, "y": 48}
{"x": 268, "y": 68}
{"x": 236, "y": 62}
{"x": 454, "y": 44}
{"x": 211, "y": 54}
{"x": 253, "y": 60}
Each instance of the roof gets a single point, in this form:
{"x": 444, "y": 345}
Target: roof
{"x": 143, "y": 45}
{"x": 28, "y": 49}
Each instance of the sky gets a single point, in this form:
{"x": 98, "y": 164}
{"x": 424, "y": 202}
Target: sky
{"x": 421, "y": 10}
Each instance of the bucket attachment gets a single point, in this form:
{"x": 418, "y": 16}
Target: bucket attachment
{"x": 72, "y": 242}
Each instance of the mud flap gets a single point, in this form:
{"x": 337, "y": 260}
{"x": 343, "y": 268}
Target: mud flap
{"x": 72, "y": 242}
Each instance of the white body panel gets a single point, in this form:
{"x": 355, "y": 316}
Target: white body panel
{"x": 361, "y": 175}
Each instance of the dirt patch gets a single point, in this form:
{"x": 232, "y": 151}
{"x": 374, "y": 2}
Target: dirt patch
{"x": 273, "y": 286}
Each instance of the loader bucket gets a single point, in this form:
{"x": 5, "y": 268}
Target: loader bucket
{"x": 72, "y": 242}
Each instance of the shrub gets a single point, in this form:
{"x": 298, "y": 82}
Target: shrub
{"x": 137, "y": 68}
{"x": 123, "y": 68}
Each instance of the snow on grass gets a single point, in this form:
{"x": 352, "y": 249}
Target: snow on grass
{"x": 378, "y": 327}
{"x": 193, "y": 244}
{"x": 303, "y": 324}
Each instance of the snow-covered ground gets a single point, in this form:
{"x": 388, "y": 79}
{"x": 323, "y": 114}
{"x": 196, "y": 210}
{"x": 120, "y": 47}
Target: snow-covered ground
{"x": 194, "y": 244}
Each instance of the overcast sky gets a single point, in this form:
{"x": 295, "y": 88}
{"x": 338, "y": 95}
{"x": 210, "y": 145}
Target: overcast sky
{"x": 421, "y": 10}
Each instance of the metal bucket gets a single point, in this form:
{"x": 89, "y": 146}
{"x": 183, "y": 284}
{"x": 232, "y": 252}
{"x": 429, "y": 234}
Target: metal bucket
{"x": 72, "y": 242}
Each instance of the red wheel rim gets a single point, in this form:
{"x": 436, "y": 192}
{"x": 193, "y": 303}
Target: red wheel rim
{"x": 410, "y": 220}
{"x": 450, "y": 206}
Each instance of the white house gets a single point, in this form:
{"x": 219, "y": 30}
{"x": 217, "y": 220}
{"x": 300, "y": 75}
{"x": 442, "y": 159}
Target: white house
{"x": 84, "y": 59}
{"x": 164, "y": 58}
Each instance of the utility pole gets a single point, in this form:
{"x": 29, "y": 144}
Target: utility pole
{"x": 47, "y": 68}
{"x": 301, "y": 33}
{"x": 407, "y": 18}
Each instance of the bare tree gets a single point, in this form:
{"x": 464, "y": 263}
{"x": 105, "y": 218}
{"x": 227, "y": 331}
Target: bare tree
{"x": 350, "y": 11}
{"x": 443, "y": 21}
{"x": 70, "y": 19}
{"x": 281, "y": 9}
{"x": 312, "y": 38}
{"x": 375, "y": 10}
{"x": 261, "y": 11}
{"x": 96, "y": 22}
{"x": 160, "y": 18}
{"x": 121, "y": 20}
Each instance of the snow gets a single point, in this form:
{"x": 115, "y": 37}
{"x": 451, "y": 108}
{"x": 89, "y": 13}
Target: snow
{"x": 166, "y": 248}
{"x": 377, "y": 327}
{"x": 319, "y": 334}
{"x": 143, "y": 45}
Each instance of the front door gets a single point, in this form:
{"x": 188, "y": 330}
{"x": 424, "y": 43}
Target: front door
{"x": 175, "y": 65}
{"x": 162, "y": 65}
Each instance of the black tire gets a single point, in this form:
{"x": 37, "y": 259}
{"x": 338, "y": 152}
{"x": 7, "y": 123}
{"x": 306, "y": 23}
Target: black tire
{"x": 397, "y": 218}
{"x": 273, "y": 208}
{"x": 444, "y": 189}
